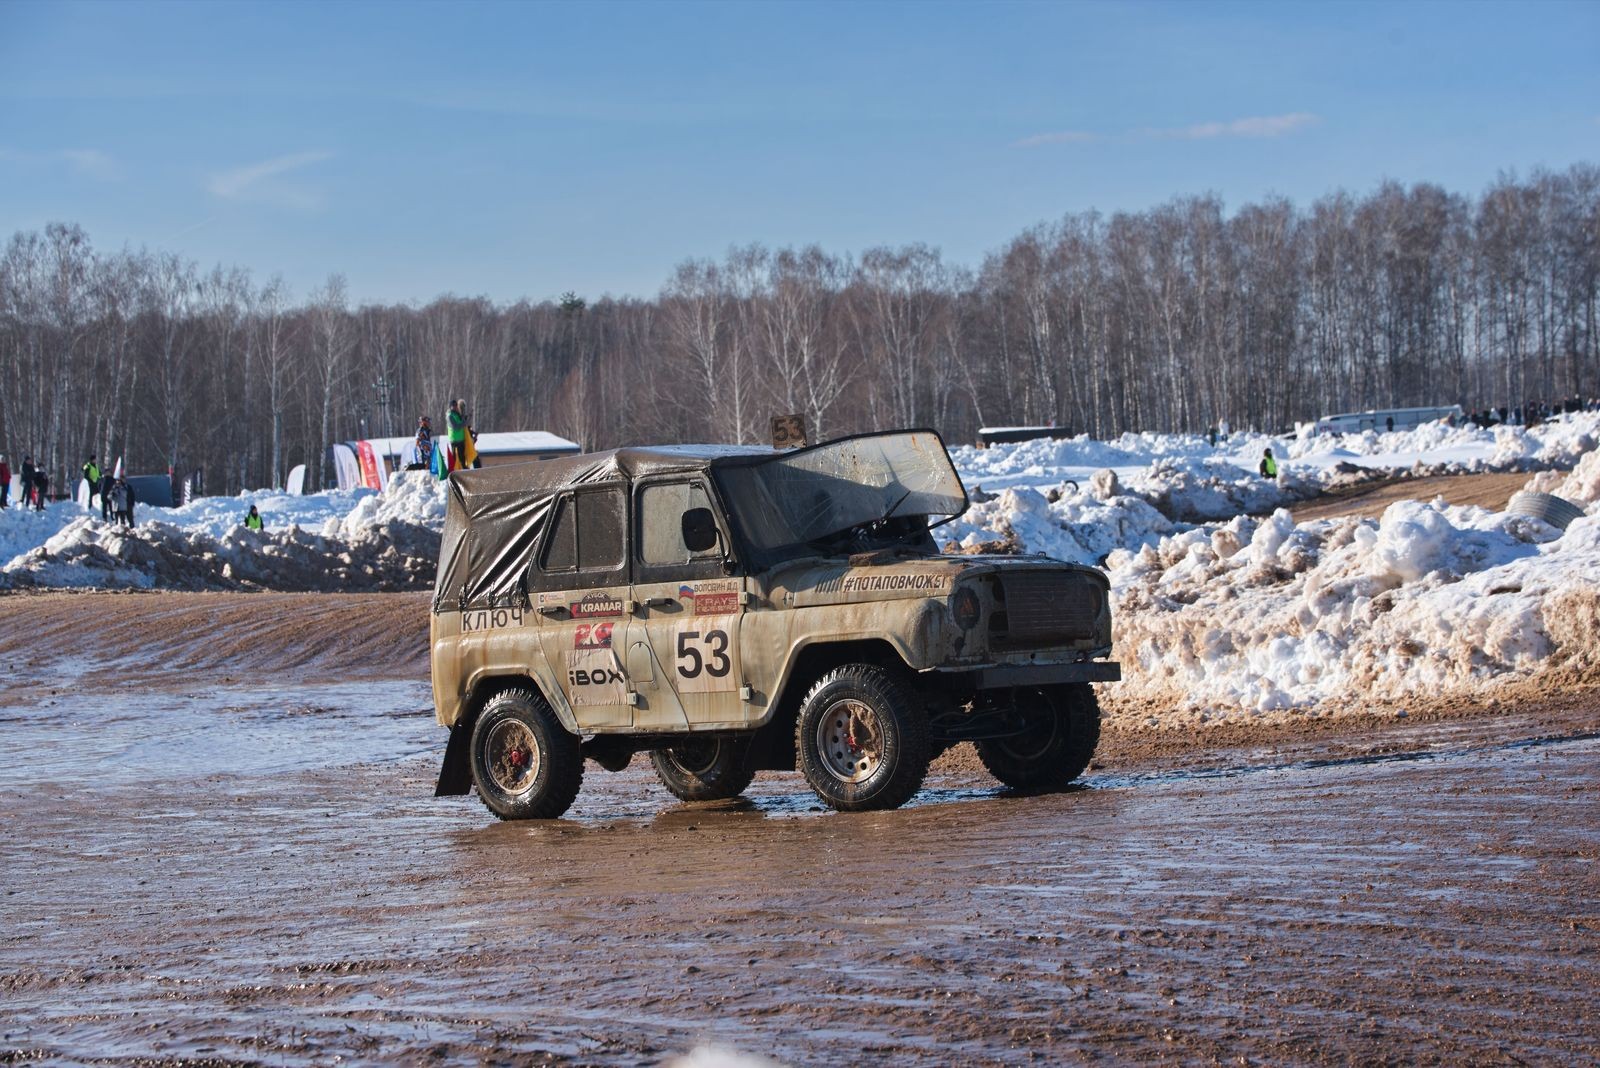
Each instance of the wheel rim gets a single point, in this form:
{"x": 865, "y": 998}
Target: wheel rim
{"x": 1038, "y": 733}
{"x": 511, "y": 756}
{"x": 697, "y": 759}
{"x": 850, "y": 741}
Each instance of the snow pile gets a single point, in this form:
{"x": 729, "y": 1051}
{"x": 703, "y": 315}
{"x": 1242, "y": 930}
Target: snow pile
{"x": 412, "y": 498}
{"x": 219, "y": 515}
{"x": 1211, "y": 489}
{"x": 157, "y": 555}
{"x": 1432, "y": 447}
{"x": 1257, "y": 617}
{"x": 22, "y": 529}
{"x": 1581, "y": 486}
{"x": 343, "y": 540}
{"x": 1079, "y": 527}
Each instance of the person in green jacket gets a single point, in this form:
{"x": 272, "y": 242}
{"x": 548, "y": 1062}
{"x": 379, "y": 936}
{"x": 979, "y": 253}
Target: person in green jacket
{"x": 252, "y": 521}
{"x": 457, "y": 419}
{"x": 1269, "y": 466}
{"x": 91, "y": 475}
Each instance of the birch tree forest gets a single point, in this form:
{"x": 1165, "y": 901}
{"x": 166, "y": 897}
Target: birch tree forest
{"x": 1171, "y": 319}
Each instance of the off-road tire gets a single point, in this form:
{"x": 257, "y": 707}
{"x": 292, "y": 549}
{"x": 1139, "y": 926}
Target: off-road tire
{"x": 1557, "y": 511}
{"x": 705, "y": 769}
{"x": 897, "y": 737}
{"x": 1064, "y": 728}
{"x": 519, "y": 723}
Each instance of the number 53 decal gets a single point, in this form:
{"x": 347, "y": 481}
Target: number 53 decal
{"x": 702, "y": 660}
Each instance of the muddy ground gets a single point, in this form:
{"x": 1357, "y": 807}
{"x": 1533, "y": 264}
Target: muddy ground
{"x": 238, "y": 860}
{"x": 1370, "y": 499}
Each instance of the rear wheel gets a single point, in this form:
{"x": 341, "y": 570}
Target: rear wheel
{"x": 705, "y": 769}
{"x": 525, "y": 765}
{"x": 862, "y": 741}
{"x": 1060, "y": 727}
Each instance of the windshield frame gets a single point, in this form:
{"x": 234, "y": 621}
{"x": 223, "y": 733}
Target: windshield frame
{"x": 731, "y": 499}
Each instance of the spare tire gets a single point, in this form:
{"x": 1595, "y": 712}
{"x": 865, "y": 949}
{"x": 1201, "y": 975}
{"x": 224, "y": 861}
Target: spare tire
{"x": 1557, "y": 511}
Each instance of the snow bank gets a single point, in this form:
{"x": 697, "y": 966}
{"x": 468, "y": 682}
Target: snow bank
{"x": 1258, "y": 617}
{"x": 347, "y": 540}
{"x": 1581, "y": 486}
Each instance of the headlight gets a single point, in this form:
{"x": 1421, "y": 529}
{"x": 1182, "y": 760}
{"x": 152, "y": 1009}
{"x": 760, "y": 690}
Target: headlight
{"x": 965, "y": 607}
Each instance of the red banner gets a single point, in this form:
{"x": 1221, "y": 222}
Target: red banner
{"x": 369, "y": 465}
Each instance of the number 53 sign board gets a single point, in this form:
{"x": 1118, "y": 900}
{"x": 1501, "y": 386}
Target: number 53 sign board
{"x": 703, "y": 658}
{"x": 788, "y": 431}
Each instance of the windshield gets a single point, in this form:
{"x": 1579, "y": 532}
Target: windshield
{"x": 816, "y": 497}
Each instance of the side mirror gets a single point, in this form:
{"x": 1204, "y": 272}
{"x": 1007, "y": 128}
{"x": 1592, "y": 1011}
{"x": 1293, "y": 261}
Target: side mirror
{"x": 699, "y": 530}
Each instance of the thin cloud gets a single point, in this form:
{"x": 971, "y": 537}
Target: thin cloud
{"x": 259, "y": 182}
{"x": 84, "y": 162}
{"x": 1254, "y": 126}
{"x": 1061, "y": 137}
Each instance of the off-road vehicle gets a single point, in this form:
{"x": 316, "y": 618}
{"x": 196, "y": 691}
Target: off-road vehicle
{"x": 733, "y": 609}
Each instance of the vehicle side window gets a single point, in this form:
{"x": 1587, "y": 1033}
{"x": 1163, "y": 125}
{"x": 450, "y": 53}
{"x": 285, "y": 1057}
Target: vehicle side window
{"x": 586, "y": 533}
{"x": 601, "y": 526}
{"x": 661, "y": 509}
{"x": 561, "y": 548}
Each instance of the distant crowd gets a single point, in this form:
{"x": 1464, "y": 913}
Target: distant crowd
{"x": 1532, "y": 413}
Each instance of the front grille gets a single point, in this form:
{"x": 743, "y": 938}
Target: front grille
{"x": 1042, "y": 607}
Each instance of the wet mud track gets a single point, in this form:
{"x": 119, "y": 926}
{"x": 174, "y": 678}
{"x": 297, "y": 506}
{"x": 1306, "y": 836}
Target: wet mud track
{"x": 261, "y": 875}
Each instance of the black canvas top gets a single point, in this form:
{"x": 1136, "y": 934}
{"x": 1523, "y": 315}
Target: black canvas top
{"x": 496, "y": 515}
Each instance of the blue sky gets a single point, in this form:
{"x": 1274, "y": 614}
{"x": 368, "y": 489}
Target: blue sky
{"x": 522, "y": 150}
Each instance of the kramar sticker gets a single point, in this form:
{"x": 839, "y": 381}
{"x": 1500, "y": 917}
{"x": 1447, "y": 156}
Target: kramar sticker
{"x": 596, "y": 605}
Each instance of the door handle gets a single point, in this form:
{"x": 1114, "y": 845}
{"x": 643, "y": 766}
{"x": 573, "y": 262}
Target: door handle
{"x": 552, "y": 610}
{"x": 658, "y": 602}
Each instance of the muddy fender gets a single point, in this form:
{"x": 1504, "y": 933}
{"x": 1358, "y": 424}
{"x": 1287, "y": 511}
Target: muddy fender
{"x": 455, "y": 776}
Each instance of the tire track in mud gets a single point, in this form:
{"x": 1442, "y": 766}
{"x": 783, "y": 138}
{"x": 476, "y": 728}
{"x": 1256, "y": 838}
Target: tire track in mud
{"x": 171, "y": 636}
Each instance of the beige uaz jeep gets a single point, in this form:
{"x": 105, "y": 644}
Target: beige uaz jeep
{"x": 732, "y": 609}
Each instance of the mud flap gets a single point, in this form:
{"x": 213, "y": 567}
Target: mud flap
{"x": 455, "y": 777}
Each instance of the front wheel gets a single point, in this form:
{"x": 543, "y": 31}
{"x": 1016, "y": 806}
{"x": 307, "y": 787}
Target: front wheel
{"x": 705, "y": 769}
{"x": 525, "y": 765}
{"x": 862, "y": 740}
{"x": 1059, "y": 728}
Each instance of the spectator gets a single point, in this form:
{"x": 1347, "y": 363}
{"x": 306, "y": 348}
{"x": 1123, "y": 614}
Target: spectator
{"x": 5, "y": 481}
{"x": 122, "y": 500}
{"x": 107, "y": 480}
{"x": 26, "y": 490}
{"x": 42, "y": 481}
{"x": 456, "y": 418}
{"x": 252, "y": 520}
{"x": 424, "y": 459}
{"x": 1269, "y": 466}
{"x": 91, "y": 476}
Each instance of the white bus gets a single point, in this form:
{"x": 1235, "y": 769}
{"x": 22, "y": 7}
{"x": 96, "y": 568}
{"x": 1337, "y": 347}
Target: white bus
{"x": 1386, "y": 419}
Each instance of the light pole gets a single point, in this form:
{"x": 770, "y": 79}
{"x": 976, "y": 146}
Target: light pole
{"x": 383, "y": 386}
